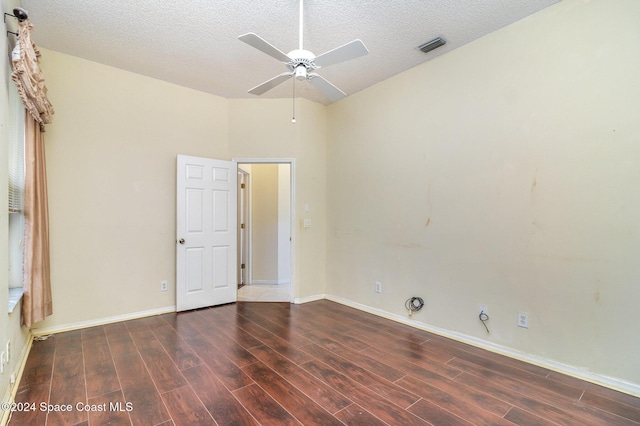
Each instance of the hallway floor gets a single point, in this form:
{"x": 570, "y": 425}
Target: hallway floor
{"x": 264, "y": 293}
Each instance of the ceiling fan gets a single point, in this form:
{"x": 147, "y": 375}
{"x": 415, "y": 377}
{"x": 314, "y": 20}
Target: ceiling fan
{"x": 302, "y": 63}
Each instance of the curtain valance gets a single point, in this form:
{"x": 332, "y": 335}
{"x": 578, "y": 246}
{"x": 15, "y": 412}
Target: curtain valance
{"x": 28, "y": 76}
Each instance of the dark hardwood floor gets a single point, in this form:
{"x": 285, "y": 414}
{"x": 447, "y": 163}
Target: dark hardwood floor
{"x": 319, "y": 363}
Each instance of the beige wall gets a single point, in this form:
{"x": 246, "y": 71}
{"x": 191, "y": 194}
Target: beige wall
{"x": 264, "y": 223}
{"x": 504, "y": 173}
{"x": 111, "y": 159}
{"x": 10, "y": 329}
{"x": 270, "y": 223}
{"x": 111, "y": 154}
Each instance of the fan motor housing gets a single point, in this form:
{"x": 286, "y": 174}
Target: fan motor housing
{"x": 301, "y": 62}
{"x": 301, "y": 54}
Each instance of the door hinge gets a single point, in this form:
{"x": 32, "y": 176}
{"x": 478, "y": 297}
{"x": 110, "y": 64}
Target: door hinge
{"x": 242, "y": 266}
{"x": 242, "y": 226}
{"x": 242, "y": 185}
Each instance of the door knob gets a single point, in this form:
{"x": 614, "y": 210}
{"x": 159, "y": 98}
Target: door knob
{"x": 181, "y": 241}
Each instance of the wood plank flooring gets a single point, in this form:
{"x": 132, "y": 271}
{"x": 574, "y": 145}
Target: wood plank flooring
{"x": 319, "y": 363}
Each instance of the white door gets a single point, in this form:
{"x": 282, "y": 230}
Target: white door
{"x": 206, "y": 252}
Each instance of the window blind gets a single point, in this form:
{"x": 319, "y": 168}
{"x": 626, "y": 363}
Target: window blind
{"x": 16, "y": 151}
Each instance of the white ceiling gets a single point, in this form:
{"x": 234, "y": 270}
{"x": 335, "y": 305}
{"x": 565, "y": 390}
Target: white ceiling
{"x": 194, "y": 43}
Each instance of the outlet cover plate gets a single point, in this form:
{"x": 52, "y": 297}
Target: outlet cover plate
{"x": 483, "y": 308}
{"x": 523, "y": 320}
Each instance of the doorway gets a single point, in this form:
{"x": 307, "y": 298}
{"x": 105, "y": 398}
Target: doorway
{"x": 265, "y": 218}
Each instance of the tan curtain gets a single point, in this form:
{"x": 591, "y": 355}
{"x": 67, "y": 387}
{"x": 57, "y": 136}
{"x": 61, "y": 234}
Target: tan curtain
{"x": 36, "y": 303}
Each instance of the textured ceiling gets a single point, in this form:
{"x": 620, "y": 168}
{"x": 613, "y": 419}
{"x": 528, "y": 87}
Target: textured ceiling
{"x": 194, "y": 43}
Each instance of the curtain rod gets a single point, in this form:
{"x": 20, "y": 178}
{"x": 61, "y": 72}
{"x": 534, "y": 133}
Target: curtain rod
{"x": 20, "y": 14}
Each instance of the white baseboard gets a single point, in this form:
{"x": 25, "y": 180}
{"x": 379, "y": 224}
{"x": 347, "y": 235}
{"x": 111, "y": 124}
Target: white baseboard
{"x": 101, "y": 321}
{"x": 270, "y": 282}
{"x": 606, "y": 381}
{"x": 301, "y": 300}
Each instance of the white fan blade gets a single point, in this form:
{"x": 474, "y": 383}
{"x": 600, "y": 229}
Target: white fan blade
{"x": 328, "y": 89}
{"x": 351, "y": 50}
{"x": 270, "y": 84}
{"x": 262, "y": 45}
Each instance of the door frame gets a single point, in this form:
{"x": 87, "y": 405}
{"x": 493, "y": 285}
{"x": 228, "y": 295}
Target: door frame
{"x": 246, "y": 211}
{"x": 292, "y": 231}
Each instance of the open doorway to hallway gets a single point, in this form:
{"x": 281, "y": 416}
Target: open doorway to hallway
{"x": 264, "y": 231}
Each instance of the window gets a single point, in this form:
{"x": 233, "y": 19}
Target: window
{"x": 16, "y": 166}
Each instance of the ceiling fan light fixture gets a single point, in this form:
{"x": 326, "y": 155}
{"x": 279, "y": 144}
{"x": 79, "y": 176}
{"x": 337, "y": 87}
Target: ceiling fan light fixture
{"x": 301, "y": 72}
{"x": 431, "y": 45}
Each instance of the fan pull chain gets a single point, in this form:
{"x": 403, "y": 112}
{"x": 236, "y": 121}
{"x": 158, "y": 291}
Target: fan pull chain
{"x": 293, "y": 114}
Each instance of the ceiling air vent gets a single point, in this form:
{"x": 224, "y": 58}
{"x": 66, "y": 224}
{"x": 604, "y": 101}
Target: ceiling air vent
{"x": 431, "y": 44}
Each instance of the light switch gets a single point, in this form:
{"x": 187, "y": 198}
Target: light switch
{"x": 306, "y": 208}
{"x": 307, "y": 223}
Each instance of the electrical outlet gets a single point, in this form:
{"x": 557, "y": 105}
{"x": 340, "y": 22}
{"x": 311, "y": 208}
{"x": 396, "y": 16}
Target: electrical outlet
{"x": 378, "y": 287}
{"x": 483, "y": 309}
{"x": 164, "y": 285}
{"x": 523, "y": 320}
